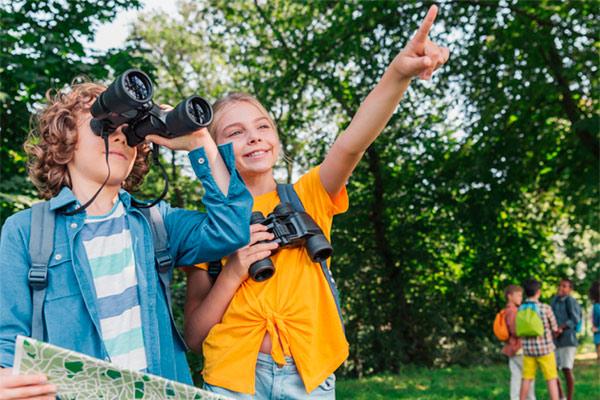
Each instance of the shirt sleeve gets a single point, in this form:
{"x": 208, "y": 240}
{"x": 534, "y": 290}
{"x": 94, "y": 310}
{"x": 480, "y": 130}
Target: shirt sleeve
{"x": 316, "y": 199}
{"x": 203, "y": 266}
{"x": 15, "y": 296}
{"x": 551, "y": 319}
{"x": 574, "y": 312}
{"x": 196, "y": 237}
{"x": 511, "y": 318}
{"x": 596, "y": 315}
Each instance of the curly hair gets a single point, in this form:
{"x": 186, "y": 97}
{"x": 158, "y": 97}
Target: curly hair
{"x": 51, "y": 143}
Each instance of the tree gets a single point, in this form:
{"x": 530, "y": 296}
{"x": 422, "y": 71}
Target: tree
{"x": 42, "y": 47}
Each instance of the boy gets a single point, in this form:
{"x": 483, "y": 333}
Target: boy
{"x": 539, "y": 350}
{"x": 513, "y": 347}
{"x": 104, "y": 297}
{"x": 568, "y": 314}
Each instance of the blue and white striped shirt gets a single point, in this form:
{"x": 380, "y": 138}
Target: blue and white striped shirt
{"x": 107, "y": 242}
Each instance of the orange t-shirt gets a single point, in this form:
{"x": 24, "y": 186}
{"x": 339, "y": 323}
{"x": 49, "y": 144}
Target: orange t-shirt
{"x": 295, "y": 306}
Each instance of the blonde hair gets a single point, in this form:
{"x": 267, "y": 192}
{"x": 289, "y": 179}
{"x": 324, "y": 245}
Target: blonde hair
{"x": 51, "y": 144}
{"x": 233, "y": 98}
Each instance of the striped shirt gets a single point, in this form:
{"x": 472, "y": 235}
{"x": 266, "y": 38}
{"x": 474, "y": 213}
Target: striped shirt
{"x": 107, "y": 242}
{"x": 541, "y": 345}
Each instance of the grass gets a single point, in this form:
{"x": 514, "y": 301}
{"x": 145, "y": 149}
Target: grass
{"x": 486, "y": 382}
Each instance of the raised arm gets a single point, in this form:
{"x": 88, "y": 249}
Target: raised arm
{"x": 421, "y": 57}
{"x": 200, "y": 138}
{"x": 196, "y": 237}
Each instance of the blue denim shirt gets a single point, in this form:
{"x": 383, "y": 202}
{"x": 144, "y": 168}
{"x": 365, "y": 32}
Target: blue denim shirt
{"x": 563, "y": 317}
{"x": 70, "y": 307}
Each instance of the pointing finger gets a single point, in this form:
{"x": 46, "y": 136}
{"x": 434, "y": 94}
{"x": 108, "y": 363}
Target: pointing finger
{"x": 423, "y": 31}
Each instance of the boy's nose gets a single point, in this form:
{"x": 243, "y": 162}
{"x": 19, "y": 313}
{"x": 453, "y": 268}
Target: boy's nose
{"x": 118, "y": 135}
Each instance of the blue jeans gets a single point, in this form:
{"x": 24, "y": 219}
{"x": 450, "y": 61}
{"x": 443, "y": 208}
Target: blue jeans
{"x": 279, "y": 383}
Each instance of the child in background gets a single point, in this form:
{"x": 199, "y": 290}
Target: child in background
{"x": 539, "y": 350}
{"x": 513, "y": 347}
{"x": 594, "y": 295}
{"x": 283, "y": 338}
{"x": 104, "y": 297}
{"x": 568, "y": 315}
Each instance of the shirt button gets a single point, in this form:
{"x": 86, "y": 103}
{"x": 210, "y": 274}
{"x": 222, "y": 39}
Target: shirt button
{"x": 58, "y": 257}
{"x": 201, "y": 160}
{"x": 73, "y": 225}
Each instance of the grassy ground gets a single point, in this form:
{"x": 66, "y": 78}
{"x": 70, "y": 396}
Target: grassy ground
{"x": 489, "y": 382}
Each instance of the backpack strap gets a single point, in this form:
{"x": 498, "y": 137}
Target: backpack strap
{"x": 162, "y": 257}
{"x": 287, "y": 194}
{"x": 214, "y": 269}
{"x": 41, "y": 244}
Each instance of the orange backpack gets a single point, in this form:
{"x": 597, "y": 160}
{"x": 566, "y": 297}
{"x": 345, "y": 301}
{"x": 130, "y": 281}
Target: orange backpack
{"x": 500, "y": 327}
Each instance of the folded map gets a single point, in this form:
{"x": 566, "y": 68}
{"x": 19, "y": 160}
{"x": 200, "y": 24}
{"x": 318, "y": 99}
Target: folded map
{"x": 78, "y": 376}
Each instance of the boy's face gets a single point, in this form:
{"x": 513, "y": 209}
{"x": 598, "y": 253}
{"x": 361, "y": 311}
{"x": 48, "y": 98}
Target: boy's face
{"x": 515, "y": 297}
{"x": 564, "y": 288}
{"x": 88, "y": 163}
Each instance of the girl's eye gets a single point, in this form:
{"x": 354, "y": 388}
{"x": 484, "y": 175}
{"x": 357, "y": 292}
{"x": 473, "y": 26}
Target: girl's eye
{"x": 233, "y": 133}
{"x": 264, "y": 126}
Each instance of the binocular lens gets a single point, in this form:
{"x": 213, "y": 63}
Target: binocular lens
{"x": 137, "y": 85}
{"x": 199, "y": 110}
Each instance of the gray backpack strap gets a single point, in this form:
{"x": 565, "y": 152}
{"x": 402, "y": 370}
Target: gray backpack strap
{"x": 162, "y": 256}
{"x": 287, "y": 194}
{"x": 41, "y": 244}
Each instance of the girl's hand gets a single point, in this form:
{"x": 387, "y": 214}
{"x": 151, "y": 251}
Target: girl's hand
{"x": 187, "y": 142}
{"x": 35, "y": 387}
{"x": 239, "y": 262}
{"x": 421, "y": 56}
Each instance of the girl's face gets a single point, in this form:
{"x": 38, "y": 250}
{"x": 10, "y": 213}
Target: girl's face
{"x": 254, "y": 138}
{"x": 88, "y": 160}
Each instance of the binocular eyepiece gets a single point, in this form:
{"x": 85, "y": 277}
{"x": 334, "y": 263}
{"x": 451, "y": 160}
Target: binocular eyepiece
{"x": 128, "y": 100}
{"x": 291, "y": 228}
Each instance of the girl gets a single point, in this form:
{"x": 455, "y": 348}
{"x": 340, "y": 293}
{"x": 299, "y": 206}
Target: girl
{"x": 104, "y": 297}
{"x": 282, "y": 338}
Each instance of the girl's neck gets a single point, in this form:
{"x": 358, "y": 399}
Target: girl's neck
{"x": 260, "y": 184}
{"x": 104, "y": 202}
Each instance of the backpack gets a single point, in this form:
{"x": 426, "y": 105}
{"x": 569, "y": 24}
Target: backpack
{"x": 500, "y": 326}
{"x": 41, "y": 245}
{"x": 529, "y": 322}
{"x": 287, "y": 194}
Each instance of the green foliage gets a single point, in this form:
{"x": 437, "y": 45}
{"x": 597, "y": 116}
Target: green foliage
{"x": 41, "y": 49}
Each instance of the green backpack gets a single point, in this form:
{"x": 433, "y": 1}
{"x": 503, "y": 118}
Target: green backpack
{"x": 529, "y": 323}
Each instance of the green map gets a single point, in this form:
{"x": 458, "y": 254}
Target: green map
{"x": 78, "y": 376}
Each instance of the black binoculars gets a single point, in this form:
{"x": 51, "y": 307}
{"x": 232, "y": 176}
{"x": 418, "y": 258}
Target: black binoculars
{"x": 291, "y": 229}
{"x": 128, "y": 100}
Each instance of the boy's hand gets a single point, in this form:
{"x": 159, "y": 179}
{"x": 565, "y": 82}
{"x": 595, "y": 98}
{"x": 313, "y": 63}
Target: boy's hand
{"x": 187, "y": 142}
{"x": 25, "y": 386}
{"x": 239, "y": 262}
{"x": 421, "y": 56}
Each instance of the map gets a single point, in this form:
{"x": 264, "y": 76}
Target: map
{"x": 78, "y": 376}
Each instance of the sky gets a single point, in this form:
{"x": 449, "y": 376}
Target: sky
{"x": 113, "y": 34}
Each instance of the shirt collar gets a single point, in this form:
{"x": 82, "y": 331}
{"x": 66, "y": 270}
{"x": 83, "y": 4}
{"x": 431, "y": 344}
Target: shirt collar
{"x": 66, "y": 198}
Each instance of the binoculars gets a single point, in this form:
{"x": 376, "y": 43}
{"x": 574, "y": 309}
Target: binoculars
{"x": 291, "y": 229}
{"x": 128, "y": 100}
